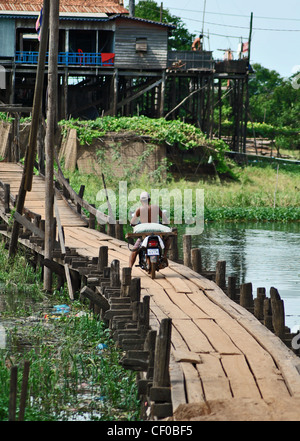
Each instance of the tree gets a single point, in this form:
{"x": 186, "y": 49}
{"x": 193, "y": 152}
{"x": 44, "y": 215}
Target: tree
{"x": 265, "y": 80}
{"x": 180, "y": 39}
{"x": 273, "y": 99}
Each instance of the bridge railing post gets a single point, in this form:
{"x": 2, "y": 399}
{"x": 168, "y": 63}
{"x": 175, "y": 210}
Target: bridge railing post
{"x": 220, "y": 273}
{"x": 187, "y": 246}
{"x": 196, "y": 260}
{"x": 6, "y": 198}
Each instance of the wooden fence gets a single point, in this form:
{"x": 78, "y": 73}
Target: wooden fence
{"x": 116, "y": 297}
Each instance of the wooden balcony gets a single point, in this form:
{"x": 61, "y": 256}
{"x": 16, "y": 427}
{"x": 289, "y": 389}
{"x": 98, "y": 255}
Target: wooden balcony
{"x": 190, "y": 60}
{"x": 232, "y": 66}
{"x": 69, "y": 59}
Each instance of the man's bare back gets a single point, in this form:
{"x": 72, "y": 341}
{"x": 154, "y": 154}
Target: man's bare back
{"x": 147, "y": 214}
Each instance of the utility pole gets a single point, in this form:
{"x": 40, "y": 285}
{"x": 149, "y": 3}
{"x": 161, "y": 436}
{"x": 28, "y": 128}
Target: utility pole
{"x": 250, "y": 39}
{"x": 161, "y": 11}
{"x": 203, "y": 19}
{"x": 247, "y": 85}
{"x": 26, "y": 181}
{"x": 50, "y": 138}
{"x": 131, "y": 8}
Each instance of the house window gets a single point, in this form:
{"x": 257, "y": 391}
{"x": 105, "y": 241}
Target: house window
{"x": 141, "y": 45}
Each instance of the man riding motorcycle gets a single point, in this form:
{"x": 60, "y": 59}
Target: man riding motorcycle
{"x": 147, "y": 213}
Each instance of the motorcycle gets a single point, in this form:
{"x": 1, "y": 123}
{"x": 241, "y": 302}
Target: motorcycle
{"x": 151, "y": 251}
{"x": 151, "y": 254}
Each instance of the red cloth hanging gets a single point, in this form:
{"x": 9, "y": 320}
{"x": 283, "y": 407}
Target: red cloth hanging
{"x": 107, "y": 59}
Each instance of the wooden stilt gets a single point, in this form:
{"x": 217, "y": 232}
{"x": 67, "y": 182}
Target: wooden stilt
{"x": 50, "y": 136}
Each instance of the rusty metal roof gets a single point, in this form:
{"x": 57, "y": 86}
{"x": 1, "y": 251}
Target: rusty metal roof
{"x": 143, "y": 20}
{"x": 66, "y": 6}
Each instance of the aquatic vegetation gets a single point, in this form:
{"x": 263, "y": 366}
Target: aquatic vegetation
{"x": 70, "y": 377}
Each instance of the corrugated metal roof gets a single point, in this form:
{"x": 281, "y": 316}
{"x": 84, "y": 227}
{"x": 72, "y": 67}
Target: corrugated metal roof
{"x": 66, "y": 17}
{"x": 66, "y": 6}
{"x": 143, "y": 20}
{"x": 84, "y": 17}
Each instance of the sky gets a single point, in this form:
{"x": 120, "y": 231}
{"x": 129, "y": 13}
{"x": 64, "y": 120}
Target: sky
{"x": 276, "y": 28}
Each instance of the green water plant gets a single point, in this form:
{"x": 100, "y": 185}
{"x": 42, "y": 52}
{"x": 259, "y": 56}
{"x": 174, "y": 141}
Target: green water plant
{"x": 71, "y": 376}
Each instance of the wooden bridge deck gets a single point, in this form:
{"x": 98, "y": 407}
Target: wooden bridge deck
{"x": 224, "y": 363}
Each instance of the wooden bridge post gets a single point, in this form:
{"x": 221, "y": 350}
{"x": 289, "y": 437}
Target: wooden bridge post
{"x": 144, "y": 318}
{"x": 135, "y": 289}
{"x": 187, "y": 245}
{"x": 80, "y": 194}
{"x": 173, "y": 251}
{"x": 50, "y": 136}
{"x": 26, "y": 181}
{"x": 196, "y": 260}
{"x": 119, "y": 233}
{"x": 246, "y": 298}
{"x": 103, "y": 258}
{"x": 6, "y": 198}
{"x": 125, "y": 281}
{"x": 231, "y": 288}
{"x": 37, "y": 220}
{"x": 115, "y": 274}
{"x": 160, "y": 392}
{"x": 92, "y": 220}
{"x": 26, "y": 230}
{"x": 111, "y": 230}
{"x": 150, "y": 346}
{"x": 259, "y": 303}
{"x": 162, "y": 354}
{"x": 66, "y": 193}
{"x": 268, "y": 314}
{"x": 277, "y": 306}
{"x": 220, "y": 273}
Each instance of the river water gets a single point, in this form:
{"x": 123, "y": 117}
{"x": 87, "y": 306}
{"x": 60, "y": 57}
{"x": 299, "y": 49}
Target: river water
{"x": 266, "y": 254}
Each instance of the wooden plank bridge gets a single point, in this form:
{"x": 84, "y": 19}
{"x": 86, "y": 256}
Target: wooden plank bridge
{"x": 223, "y": 363}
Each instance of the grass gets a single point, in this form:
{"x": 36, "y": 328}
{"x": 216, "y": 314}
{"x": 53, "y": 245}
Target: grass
{"x": 257, "y": 195}
{"x": 19, "y": 275}
{"x": 250, "y": 197}
{"x": 69, "y": 375}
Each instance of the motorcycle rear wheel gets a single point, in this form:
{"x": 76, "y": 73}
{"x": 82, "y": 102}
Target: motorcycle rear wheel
{"x": 153, "y": 269}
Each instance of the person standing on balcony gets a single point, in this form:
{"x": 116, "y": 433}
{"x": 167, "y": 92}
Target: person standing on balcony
{"x": 198, "y": 43}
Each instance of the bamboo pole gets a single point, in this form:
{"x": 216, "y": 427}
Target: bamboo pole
{"x": 26, "y": 182}
{"x": 24, "y": 390}
{"x": 13, "y": 393}
{"x": 50, "y": 136}
{"x": 63, "y": 250}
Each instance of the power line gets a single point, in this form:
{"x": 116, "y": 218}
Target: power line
{"x": 233, "y": 15}
{"x": 236, "y": 15}
{"x": 242, "y": 27}
{"x": 227, "y": 36}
